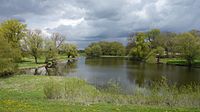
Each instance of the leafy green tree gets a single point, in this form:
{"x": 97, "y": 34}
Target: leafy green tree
{"x": 166, "y": 40}
{"x": 159, "y": 51}
{"x": 94, "y": 50}
{"x": 70, "y": 49}
{"x": 188, "y": 46}
{"x": 195, "y": 33}
{"x": 117, "y": 49}
{"x": 152, "y": 34}
{"x": 7, "y": 63}
{"x": 112, "y": 48}
{"x": 51, "y": 51}
{"x": 105, "y": 47}
{"x": 13, "y": 31}
{"x": 33, "y": 44}
{"x": 131, "y": 43}
{"x": 142, "y": 47}
{"x": 53, "y": 46}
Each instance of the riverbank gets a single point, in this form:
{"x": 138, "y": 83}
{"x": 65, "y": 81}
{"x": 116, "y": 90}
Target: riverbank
{"x": 179, "y": 62}
{"x": 29, "y": 62}
{"x": 168, "y": 61}
{"x": 53, "y": 93}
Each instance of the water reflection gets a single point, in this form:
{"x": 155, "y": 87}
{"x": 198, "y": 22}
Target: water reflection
{"x": 126, "y": 73}
{"x": 114, "y": 62}
{"x": 55, "y": 69}
{"x": 62, "y": 68}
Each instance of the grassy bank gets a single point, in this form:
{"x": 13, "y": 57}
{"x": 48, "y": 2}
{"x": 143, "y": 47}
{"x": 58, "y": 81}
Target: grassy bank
{"x": 52, "y": 94}
{"x": 179, "y": 62}
{"x": 29, "y": 62}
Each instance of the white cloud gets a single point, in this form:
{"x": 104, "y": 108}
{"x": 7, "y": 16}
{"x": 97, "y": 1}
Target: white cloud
{"x": 84, "y": 21}
{"x": 66, "y": 22}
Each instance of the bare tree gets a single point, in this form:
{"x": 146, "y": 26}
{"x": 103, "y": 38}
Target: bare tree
{"x": 58, "y": 39}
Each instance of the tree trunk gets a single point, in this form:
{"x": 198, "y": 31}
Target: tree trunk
{"x": 189, "y": 62}
{"x": 167, "y": 53}
{"x": 36, "y": 61}
{"x": 158, "y": 59}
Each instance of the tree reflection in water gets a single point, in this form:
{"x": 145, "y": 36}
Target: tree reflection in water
{"x": 62, "y": 68}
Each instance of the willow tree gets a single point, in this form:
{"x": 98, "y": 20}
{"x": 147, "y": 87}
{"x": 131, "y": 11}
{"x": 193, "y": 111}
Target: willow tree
{"x": 141, "y": 48}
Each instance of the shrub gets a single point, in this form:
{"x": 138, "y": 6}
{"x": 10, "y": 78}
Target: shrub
{"x": 72, "y": 89}
{"x": 53, "y": 89}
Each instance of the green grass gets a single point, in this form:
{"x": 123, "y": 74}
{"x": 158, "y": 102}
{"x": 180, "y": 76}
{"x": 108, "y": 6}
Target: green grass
{"x": 25, "y": 93}
{"x": 29, "y": 62}
{"x": 178, "y": 61}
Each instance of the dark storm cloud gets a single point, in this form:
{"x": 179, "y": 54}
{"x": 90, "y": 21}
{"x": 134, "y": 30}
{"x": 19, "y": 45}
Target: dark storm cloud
{"x": 85, "y": 21}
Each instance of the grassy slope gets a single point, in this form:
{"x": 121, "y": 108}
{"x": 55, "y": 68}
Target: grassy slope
{"x": 25, "y": 93}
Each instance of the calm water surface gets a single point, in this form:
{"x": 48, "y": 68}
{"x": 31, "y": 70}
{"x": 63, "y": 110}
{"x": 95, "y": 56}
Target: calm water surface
{"x": 128, "y": 74}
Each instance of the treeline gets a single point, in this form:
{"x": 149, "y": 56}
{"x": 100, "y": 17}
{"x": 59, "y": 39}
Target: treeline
{"x": 105, "y": 48}
{"x": 16, "y": 41}
{"x": 152, "y": 45}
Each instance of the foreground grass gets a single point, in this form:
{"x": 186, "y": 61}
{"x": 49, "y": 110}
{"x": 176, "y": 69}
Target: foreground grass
{"x": 24, "y": 93}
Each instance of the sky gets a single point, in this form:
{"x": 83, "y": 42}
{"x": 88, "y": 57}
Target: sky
{"x": 86, "y": 21}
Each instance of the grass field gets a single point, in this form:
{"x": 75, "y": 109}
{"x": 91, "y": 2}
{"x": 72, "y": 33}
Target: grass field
{"x": 25, "y": 93}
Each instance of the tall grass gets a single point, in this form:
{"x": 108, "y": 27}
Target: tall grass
{"x": 159, "y": 94}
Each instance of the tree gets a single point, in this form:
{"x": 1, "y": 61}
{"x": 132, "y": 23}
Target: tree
{"x": 117, "y": 49}
{"x": 70, "y": 50}
{"x": 50, "y": 51}
{"x": 33, "y": 43}
{"x": 57, "y": 39}
{"x": 188, "y": 46}
{"x": 94, "y": 50}
{"x": 142, "y": 47}
{"x": 131, "y": 43}
{"x": 152, "y": 34}
{"x": 105, "y": 47}
{"x": 7, "y": 63}
{"x": 159, "y": 52}
{"x": 195, "y": 33}
{"x": 53, "y": 46}
{"x": 111, "y": 48}
{"x": 166, "y": 40}
{"x": 13, "y": 31}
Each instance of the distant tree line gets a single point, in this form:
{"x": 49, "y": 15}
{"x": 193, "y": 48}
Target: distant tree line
{"x": 145, "y": 46}
{"x": 152, "y": 45}
{"x": 105, "y": 48}
{"x": 16, "y": 41}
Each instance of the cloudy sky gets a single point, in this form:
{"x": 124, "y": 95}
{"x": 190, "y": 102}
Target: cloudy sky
{"x": 86, "y": 21}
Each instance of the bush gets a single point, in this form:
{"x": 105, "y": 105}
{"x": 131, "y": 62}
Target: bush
{"x": 72, "y": 89}
{"x": 53, "y": 89}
